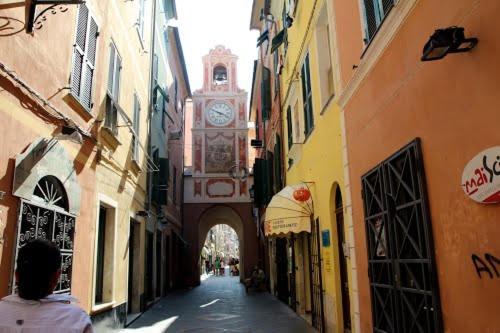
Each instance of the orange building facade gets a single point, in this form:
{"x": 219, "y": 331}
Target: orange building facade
{"x": 427, "y": 254}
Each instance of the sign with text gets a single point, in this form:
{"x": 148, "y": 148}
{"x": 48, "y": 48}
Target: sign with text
{"x": 481, "y": 177}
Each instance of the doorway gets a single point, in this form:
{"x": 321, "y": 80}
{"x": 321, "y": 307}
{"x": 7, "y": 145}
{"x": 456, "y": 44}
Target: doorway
{"x": 317, "y": 306}
{"x": 343, "y": 252}
{"x": 158, "y": 263}
{"x": 133, "y": 247}
{"x": 282, "y": 269}
{"x": 401, "y": 264}
{"x": 148, "y": 278}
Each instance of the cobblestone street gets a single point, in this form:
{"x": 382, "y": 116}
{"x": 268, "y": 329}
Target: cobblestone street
{"x": 220, "y": 304}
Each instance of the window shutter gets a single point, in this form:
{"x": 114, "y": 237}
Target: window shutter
{"x": 307, "y": 96}
{"x": 81, "y": 29}
{"x": 84, "y": 55}
{"x": 116, "y": 80}
{"x": 370, "y": 18}
{"x": 266, "y": 93}
{"x": 278, "y": 40}
{"x": 88, "y": 72}
{"x": 258, "y": 181}
{"x": 163, "y": 181}
{"x": 111, "y": 72}
{"x": 135, "y": 138}
{"x": 268, "y": 164}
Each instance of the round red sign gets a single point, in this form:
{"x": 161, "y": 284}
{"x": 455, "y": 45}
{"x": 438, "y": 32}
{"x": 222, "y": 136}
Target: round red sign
{"x": 481, "y": 177}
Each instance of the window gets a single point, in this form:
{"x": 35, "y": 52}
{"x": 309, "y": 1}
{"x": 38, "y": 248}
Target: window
{"x": 374, "y": 13}
{"x": 289, "y": 126}
{"x": 307, "y": 97}
{"x": 84, "y": 55}
{"x": 115, "y": 68}
{"x": 136, "y": 126}
{"x": 104, "y": 255}
{"x": 220, "y": 75}
{"x": 174, "y": 187}
{"x": 325, "y": 70}
{"x": 46, "y": 216}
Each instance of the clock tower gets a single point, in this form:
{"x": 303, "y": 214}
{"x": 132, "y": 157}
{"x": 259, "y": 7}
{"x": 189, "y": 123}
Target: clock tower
{"x": 219, "y": 134}
{"x": 216, "y": 186}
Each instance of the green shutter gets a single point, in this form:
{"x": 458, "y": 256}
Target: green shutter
{"x": 266, "y": 93}
{"x": 257, "y": 180}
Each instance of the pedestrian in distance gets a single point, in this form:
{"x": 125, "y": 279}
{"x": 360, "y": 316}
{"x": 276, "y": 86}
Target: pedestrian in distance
{"x": 35, "y": 308}
{"x": 217, "y": 266}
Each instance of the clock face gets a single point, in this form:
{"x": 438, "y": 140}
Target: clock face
{"x": 220, "y": 114}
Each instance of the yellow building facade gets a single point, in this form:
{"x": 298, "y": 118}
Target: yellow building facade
{"x": 314, "y": 155}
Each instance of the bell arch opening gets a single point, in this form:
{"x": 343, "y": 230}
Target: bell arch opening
{"x": 220, "y": 74}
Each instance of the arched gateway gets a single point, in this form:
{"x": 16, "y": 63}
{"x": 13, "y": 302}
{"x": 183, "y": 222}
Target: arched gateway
{"x": 216, "y": 185}
{"x": 200, "y": 218}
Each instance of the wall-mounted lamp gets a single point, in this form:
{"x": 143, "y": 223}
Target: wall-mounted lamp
{"x": 444, "y": 41}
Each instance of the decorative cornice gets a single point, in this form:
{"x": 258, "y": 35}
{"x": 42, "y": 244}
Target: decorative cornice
{"x": 376, "y": 48}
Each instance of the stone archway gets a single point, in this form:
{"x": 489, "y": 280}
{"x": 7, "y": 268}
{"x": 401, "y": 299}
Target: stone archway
{"x": 222, "y": 215}
{"x": 199, "y": 218}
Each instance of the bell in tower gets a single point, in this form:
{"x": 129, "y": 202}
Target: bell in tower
{"x": 220, "y": 75}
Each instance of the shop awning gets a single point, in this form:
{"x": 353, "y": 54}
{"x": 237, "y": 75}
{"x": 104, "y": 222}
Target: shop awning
{"x": 290, "y": 211}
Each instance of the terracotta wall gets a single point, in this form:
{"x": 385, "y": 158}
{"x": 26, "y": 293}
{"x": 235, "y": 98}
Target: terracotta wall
{"x": 453, "y": 106}
{"x": 44, "y": 63}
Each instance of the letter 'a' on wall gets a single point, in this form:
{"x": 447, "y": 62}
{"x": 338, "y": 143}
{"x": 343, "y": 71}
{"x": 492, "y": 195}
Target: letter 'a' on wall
{"x": 481, "y": 177}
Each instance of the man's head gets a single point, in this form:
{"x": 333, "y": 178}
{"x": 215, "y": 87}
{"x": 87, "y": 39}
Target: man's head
{"x": 38, "y": 269}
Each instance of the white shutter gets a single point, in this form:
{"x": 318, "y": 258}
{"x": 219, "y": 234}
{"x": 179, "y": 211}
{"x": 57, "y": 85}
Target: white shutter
{"x": 84, "y": 56}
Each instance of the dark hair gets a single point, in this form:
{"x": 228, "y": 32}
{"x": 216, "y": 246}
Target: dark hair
{"x": 37, "y": 262}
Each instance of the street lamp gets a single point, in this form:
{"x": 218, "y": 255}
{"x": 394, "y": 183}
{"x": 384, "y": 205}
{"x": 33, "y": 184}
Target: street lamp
{"x": 444, "y": 41}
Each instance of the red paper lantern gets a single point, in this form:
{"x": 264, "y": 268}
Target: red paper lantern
{"x": 301, "y": 194}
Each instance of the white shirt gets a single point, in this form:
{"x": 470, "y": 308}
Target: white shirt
{"x": 52, "y": 314}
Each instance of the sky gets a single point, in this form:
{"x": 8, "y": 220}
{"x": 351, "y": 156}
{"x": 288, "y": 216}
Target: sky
{"x": 203, "y": 24}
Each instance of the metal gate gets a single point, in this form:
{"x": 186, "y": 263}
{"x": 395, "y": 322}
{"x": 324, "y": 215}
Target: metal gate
{"x": 53, "y": 224}
{"x": 404, "y": 289}
{"x": 316, "y": 280}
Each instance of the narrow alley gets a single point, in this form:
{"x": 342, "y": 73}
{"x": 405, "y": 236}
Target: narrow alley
{"x": 220, "y": 304}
